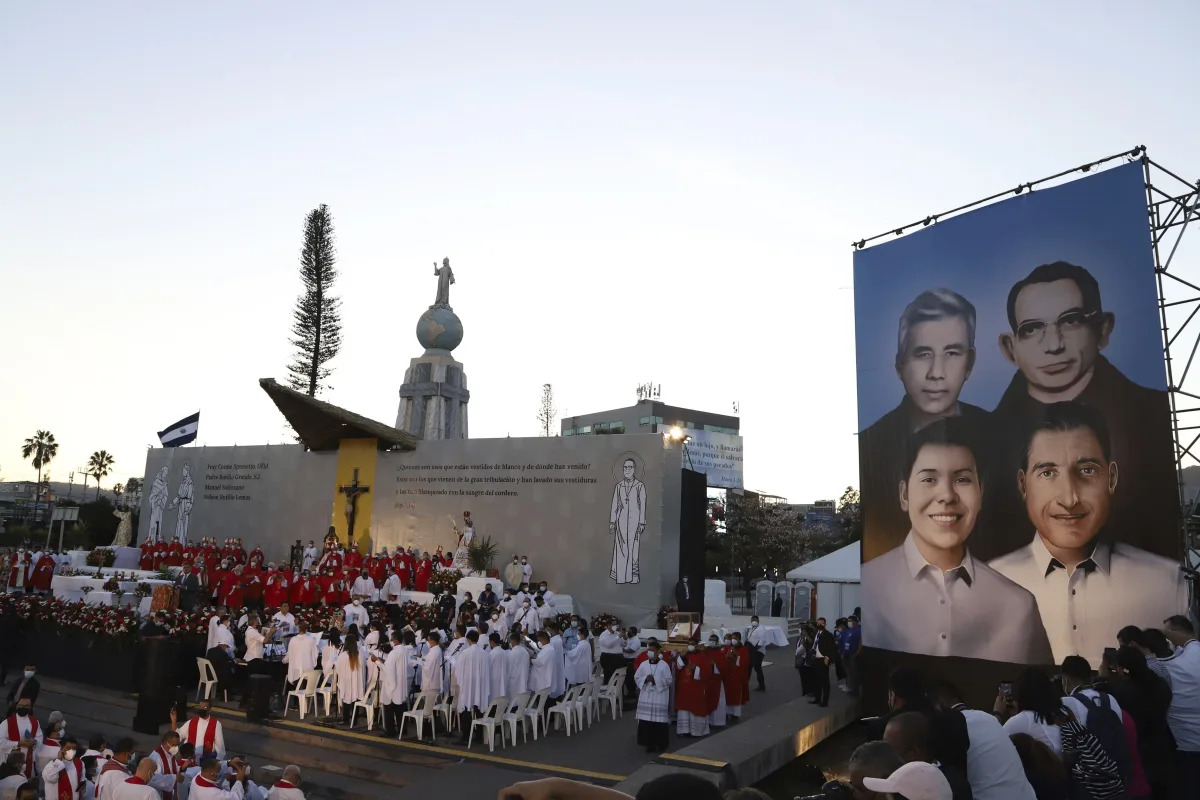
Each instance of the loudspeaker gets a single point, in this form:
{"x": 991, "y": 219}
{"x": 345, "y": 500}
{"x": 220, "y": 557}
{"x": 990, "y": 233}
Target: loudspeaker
{"x": 158, "y": 661}
{"x": 258, "y": 694}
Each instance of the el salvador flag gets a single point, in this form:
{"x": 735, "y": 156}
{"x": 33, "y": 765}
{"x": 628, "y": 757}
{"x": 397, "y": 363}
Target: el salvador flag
{"x": 181, "y": 432}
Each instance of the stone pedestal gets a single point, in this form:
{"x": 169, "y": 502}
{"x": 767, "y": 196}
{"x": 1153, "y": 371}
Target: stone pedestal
{"x": 434, "y": 397}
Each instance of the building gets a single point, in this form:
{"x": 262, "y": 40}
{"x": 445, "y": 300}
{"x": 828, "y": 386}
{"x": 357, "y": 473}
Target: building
{"x": 648, "y": 416}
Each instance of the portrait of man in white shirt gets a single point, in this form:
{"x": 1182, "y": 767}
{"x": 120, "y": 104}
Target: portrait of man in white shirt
{"x": 929, "y": 596}
{"x": 1085, "y": 579}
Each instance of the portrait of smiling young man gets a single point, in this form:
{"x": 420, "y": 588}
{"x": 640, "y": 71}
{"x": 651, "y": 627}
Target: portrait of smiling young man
{"x": 929, "y": 595}
{"x": 1057, "y": 330}
{"x": 935, "y": 353}
{"x": 1085, "y": 582}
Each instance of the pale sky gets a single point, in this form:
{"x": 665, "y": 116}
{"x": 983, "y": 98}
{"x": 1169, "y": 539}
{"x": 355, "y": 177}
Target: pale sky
{"x": 662, "y": 191}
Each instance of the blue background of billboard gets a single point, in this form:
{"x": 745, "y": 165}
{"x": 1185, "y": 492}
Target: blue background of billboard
{"x": 1098, "y": 222}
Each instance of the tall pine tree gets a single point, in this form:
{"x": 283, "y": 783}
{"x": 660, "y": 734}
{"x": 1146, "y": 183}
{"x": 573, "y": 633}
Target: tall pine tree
{"x": 317, "y": 325}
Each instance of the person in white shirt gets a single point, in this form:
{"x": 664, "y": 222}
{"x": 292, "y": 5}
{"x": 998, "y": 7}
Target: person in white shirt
{"x": 526, "y": 570}
{"x": 1183, "y": 715}
{"x": 516, "y": 665}
{"x": 214, "y": 622}
{"x": 255, "y": 639}
{"x": 1082, "y": 578}
{"x": 498, "y": 623}
{"x": 357, "y": 615}
{"x": 993, "y": 765}
{"x": 288, "y": 785}
{"x": 63, "y": 767}
{"x": 330, "y": 652}
{"x": 225, "y": 635}
{"x": 208, "y": 786}
{"x": 139, "y": 786}
{"x": 546, "y": 595}
{"x": 1036, "y": 708}
{"x": 351, "y": 671}
{"x": 391, "y": 593}
{"x": 310, "y": 556}
{"x": 528, "y": 618}
{"x": 283, "y": 620}
{"x": 631, "y": 650}
{"x": 508, "y": 606}
{"x": 203, "y": 731}
{"x": 301, "y": 655}
{"x": 609, "y": 644}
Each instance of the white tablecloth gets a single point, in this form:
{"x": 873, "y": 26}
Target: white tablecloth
{"x": 126, "y": 558}
{"x": 71, "y": 589}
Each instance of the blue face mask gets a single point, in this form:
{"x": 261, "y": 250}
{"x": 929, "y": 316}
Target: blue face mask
{"x": 574, "y": 624}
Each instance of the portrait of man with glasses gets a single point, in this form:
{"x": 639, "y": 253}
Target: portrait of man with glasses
{"x": 1058, "y": 329}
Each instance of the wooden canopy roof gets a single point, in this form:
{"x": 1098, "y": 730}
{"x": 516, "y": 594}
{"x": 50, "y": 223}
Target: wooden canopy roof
{"x": 321, "y": 425}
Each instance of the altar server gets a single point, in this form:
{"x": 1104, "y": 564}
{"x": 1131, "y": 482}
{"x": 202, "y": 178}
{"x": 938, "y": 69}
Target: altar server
{"x": 432, "y": 667}
{"x": 579, "y": 660}
{"x": 516, "y": 666}
{"x": 541, "y": 672}
{"x": 653, "y": 680}
{"x": 351, "y": 670}
{"x": 301, "y": 655}
{"x": 474, "y": 683}
{"x": 204, "y": 731}
{"x": 498, "y": 666}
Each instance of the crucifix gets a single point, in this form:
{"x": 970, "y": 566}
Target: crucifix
{"x": 352, "y": 491}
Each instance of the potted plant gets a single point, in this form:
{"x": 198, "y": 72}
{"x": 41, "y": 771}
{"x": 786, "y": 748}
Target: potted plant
{"x": 481, "y": 555}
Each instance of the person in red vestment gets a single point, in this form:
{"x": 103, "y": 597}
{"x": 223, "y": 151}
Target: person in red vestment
{"x": 160, "y": 554}
{"x": 332, "y": 559}
{"x": 146, "y": 561}
{"x": 304, "y": 591}
{"x": 400, "y": 566}
{"x": 239, "y": 550}
{"x": 230, "y": 590}
{"x": 733, "y": 665}
{"x": 252, "y": 586}
{"x": 216, "y": 575}
{"x": 256, "y": 553}
{"x": 691, "y": 702}
{"x": 354, "y": 558}
{"x": 276, "y": 591}
{"x": 189, "y": 553}
{"x": 174, "y": 553}
{"x": 42, "y": 574}
{"x": 744, "y": 654}
{"x": 421, "y": 578}
{"x": 377, "y": 569}
{"x": 332, "y": 596}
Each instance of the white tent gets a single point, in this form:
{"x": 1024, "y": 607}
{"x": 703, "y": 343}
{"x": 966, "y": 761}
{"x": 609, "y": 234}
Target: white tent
{"x": 840, "y": 566}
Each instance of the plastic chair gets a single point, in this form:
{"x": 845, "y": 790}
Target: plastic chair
{"x": 611, "y": 693}
{"x": 369, "y": 704}
{"x": 422, "y": 710}
{"x": 515, "y": 715}
{"x": 565, "y": 710}
{"x": 535, "y": 712}
{"x": 326, "y": 690}
{"x": 208, "y": 679}
{"x": 492, "y": 719}
{"x": 446, "y": 709}
{"x": 305, "y": 691}
{"x": 585, "y": 705}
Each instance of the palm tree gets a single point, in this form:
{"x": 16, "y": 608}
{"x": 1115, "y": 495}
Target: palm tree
{"x": 42, "y": 448}
{"x": 118, "y": 490}
{"x": 99, "y": 465}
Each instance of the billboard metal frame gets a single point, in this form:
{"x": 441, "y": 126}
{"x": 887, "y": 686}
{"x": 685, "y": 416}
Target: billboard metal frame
{"x": 1173, "y": 205}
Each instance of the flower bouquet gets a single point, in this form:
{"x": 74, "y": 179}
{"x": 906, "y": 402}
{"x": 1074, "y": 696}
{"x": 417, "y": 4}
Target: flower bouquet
{"x": 101, "y": 557}
{"x": 445, "y": 581}
{"x": 112, "y": 584}
{"x": 601, "y": 621}
{"x": 421, "y": 614}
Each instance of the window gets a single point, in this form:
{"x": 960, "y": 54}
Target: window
{"x": 569, "y": 432}
{"x": 616, "y": 427}
{"x": 644, "y": 421}
{"x": 584, "y": 429}
{"x": 601, "y": 427}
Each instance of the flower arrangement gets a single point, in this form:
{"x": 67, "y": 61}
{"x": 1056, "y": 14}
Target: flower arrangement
{"x": 445, "y": 580}
{"x": 563, "y": 620}
{"x": 112, "y": 585}
{"x": 421, "y": 614}
{"x": 119, "y": 625}
{"x": 101, "y": 557}
{"x": 601, "y": 621}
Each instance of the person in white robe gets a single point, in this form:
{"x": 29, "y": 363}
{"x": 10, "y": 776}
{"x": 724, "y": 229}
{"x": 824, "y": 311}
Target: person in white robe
{"x": 357, "y": 615}
{"x": 363, "y": 587}
{"x": 214, "y": 622}
{"x": 474, "y": 691}
{"x": 541, "y": 671}
{"x": 508, "y": 606}
{"x": 63, "y": 767}
{"x": 397, "y": 679}
{"x": 209, "y": 785}
{"x": 579, "y": 660}
{"x": 196, "y": 731}
{"x": 499, "y": 624}
{"x": 653, "y": 680}
{"x": 432, "y": 667}
{"x": 288, "y": 785}
{"x": 558, "y": 685}
{"x": 310, "y": 556}
{"x": 498, "y": 668}
{"x": 139, "y": 786}
{"x": 516, "y": 666}
{"x": 301, "y": 656}
{"x": 351, "y": 671}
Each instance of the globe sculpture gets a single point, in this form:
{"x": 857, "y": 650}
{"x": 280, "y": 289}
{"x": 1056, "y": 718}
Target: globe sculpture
{"x": 439, "y": 328}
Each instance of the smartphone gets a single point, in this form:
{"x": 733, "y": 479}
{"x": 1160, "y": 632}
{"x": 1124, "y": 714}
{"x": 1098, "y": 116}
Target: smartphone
{"x": 1006, "y": 690}
{"x": 1110, "y": 655}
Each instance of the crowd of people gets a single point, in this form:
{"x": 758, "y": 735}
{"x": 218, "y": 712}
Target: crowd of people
{"x": 817, "y": 649}
{"x": 1128, "y": 729}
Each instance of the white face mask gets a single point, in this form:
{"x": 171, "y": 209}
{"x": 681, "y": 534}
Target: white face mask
{"x": 174, "y": 751}
{"x": 753, "y": 624}
{"x": 691, "y": 648}
{"x": 68, "y": 755}
{"x": 29, "y": 674}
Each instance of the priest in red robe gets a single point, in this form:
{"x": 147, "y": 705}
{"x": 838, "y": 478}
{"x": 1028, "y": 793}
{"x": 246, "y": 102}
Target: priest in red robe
{"x": 230, "y": 589}
{"x": 354, "y": 559}
{"x": 21, "y": 730}
{"x": 276, "y": 591}
{"x": 692, "y": 673}
{"x": 175, "y": 553}
{"x": 146, "y": 561}
{"x": 160, "y": 554}
{"x": 43, "y": 574}
{"x": 421, "y": 578}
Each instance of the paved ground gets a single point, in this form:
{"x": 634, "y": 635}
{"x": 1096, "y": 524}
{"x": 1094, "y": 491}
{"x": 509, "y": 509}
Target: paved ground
{"x": 346, "y": 765}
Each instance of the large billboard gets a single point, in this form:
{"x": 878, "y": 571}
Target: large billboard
{"x": 1019, "y": 493}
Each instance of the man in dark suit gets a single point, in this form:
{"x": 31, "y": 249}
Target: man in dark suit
{"x": 1058, "y": 329}
{"x": 935, "y": 353}
{"x": 27, "y": 686}
{"x": 188, "y": 584}
{"x": 686, "y": 597}
{"x": 826, "y": 653}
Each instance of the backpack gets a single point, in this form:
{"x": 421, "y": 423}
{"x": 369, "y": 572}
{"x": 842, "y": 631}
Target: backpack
{"x": 1092, "y": 774}
{"x": 1106, "y": 725}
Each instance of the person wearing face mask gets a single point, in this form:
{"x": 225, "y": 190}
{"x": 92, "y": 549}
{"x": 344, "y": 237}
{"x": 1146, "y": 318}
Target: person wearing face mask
{"x": 528, "y": 618}
{"x": 20, "y": 573}
{"x": 571, "y": 634}
{"x": 734, "y": 668}
{"x": 691, "y": 704}
{"x": 363, "y": 588}
{"x": 21, "y": 730}
{"x": 508, "y": 606}
{"x": 203, "y": 731}
{"x": 275, "y": 590}
{"x": 758, "y": 649}
{"x": 28, "y": 686}
{"x": 498, "y": 623}
{"x": 64, "y": 774}
{"x": 116, "y": 769}
{"x": 357, "y": 615}
{"x": 581, "y": 658}
{"x": 653, "y": 679}
{"x": 546, "y": 595}
{"x": 51, "y": 746}
{"x": 487, "y": 601}
{"x": 390, "y": 594}
{"x": 144, "y": 784}
{"x": 165, "y": 755}
{"x": 512, "y": 573}
{"x": 609, "y": 644}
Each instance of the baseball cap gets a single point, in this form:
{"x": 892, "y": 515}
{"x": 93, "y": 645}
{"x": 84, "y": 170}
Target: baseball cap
{"x": 916, "y": 780}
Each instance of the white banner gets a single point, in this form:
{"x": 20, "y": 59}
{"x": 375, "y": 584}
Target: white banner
{"x": 719, "y": 455}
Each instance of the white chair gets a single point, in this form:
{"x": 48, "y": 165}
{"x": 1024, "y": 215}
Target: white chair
{"x": 492, "y": 719}
{"x": 535, "y": 712}
{"x": 305, "y": 691}
{"x": 565, "y": 710}
{"x": 585, "y": 701}
{"x": 327, "y": 689}
{"x": 515, "y": 715}
{"x": 208, "y": 679}
{"x": 369, "y": 704}
{"x": 446, "y": 709}
{"x": 611, "y": 693}
{"x": 422, "y": 710}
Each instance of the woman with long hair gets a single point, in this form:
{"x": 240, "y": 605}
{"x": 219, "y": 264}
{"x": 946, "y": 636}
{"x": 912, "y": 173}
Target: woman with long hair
{"x": 1037, "y": 708}
{"x": 331, "y": 650}
{"x": 1145, "y": 697}
{"x": 351, "y": 677}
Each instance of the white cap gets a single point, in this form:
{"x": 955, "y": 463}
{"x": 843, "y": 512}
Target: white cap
{"x": 916, "y": 780}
